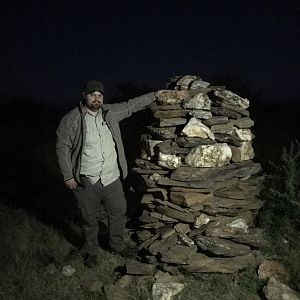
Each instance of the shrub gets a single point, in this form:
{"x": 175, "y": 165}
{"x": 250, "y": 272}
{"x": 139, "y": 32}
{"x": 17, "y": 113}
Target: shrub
{"x": 281, "y": 213}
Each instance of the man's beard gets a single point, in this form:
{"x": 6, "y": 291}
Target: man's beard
{"x": 94, "y": 106}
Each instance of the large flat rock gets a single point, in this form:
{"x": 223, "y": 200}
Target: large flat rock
{"x": 162, "y": 245}
{"x": 179, "y": 215}
{"x": 179, "y": 254}
{"x": 238, "y": 191}
{"x": 219, "y": 265}
{"x": 240, "y": 170}
{"x": 254, "y": 236}
{"x": 162, "y": 132}
{"x": 221, "y": 247}
{"x": 190, "y": 142}
{"x": 169, "y": 114}
{"x": 172, "y": 122}
{"x": 209, "y": 185}
{"x": 231, "y": 98}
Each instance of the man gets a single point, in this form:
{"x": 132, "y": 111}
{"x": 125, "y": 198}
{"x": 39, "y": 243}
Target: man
{"x": 91, "y": 158}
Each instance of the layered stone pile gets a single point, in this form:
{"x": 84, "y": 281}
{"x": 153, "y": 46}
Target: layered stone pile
{"x": 201, "y": 187}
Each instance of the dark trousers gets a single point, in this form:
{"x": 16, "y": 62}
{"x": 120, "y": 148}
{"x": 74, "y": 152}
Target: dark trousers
{"x": 90, "y": 197}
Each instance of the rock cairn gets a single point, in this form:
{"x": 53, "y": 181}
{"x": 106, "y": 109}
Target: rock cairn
{"x": 201, "y": 187}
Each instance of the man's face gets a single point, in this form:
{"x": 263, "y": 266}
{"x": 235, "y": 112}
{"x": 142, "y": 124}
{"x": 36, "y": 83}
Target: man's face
{"x": 93, "y": 101}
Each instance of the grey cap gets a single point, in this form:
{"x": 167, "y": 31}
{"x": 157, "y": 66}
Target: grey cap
{"x": 92, "y": 86}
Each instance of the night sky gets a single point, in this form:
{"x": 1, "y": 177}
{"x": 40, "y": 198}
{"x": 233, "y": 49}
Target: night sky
{"x": 49, "y": 48}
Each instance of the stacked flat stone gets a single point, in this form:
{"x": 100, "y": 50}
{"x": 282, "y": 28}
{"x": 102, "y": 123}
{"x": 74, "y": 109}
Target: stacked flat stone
{"x": 201, "y": 187}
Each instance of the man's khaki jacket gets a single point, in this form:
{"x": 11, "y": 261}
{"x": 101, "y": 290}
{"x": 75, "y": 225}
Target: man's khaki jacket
{"x": 71, "y": 134}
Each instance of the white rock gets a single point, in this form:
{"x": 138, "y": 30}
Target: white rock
{"x": 209, "y": 156}
{"x": 68, "y": 270}
{"x": 275, "y": 290}
{"x": 169, "y": 161}
{"x": 151, "y": 145}
{"x": 170, "y": 97}
{"x": 155, "y": 176}
{"x": 198, "y": 101}
{"x": 240, "y": 224}
{"x": 165, "y": 291}
{"x": 243, "y": 134}
{"x": 244, "y": 152}
{"x": 195, "y": 128}
{"x": 201, "y": 220}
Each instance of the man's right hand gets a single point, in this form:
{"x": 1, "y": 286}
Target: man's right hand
{"x": 71, "y": 184}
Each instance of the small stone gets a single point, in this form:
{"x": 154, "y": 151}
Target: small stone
{"x": 240, "y": 224}
{"x": 155, "y": 176}
{"x": 244, "y": 152}
{"x": 201, "y": 220}
{"x": 68, "y": 270}
{"x": 169, "y": 161}
{"x": 269, "y": 268}
{"x": 243, "y": 134}
{"x": 275, "y": 290}
{"x": 166, "y": 291}
{"x": 188, "y": 199}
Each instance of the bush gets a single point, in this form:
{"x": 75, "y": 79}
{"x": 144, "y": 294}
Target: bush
{"x": 281, "y": 213}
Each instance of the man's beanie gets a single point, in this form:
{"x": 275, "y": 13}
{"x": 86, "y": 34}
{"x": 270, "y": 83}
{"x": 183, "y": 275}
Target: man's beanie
{"x": 92, "y": 86}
